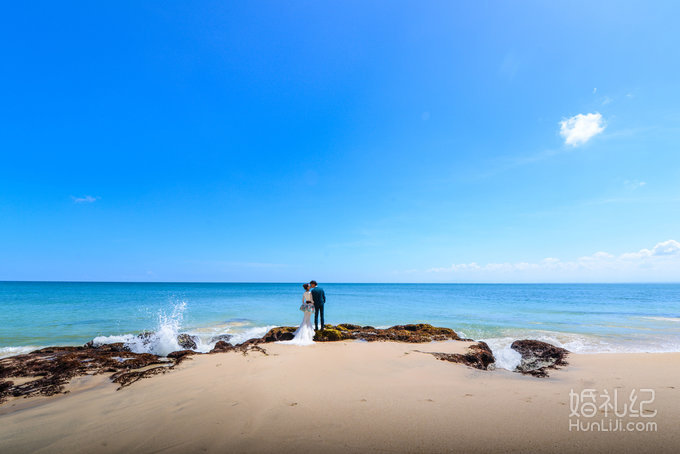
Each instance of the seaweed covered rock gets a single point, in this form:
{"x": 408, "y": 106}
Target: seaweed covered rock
{"x": 5, "y": 387}
{"x": 245, "y": 347}
{"x": 116, "y": 347}
{"x": 281, "y": 333}
{"x": 186, "y": 341}
{"x": 49, "y": 369}
{"x": 538, "y": 357}
{"x": 331, "y": 334}
{"x": 222, "y": 346}
{"x": 421, "y": 332}
{"x": 479, "y": 356}
{"x": 349, "y": 327}
{"x": 181, "y": 355}
{"x": 346, "y": 331}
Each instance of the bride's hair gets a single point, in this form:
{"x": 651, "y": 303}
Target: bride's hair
{"x": 305, "y": 286}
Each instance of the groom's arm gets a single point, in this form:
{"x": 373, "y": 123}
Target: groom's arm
{"x": 323, "y": 296}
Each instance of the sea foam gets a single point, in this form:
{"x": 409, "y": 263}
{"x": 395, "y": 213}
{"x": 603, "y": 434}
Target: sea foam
{"x": 13, "y": 351}
{"x": 163, "y": 340}
{"x": 506, "y": 357}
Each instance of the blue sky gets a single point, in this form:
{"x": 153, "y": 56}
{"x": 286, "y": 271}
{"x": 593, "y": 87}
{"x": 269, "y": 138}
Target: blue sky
{"x": 340, "y": 141}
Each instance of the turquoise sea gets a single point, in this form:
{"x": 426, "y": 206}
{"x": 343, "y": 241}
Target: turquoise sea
{"x": 585, "y": 318}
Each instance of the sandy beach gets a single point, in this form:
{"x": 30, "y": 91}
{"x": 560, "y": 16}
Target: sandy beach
{"x": 346, "y": 397}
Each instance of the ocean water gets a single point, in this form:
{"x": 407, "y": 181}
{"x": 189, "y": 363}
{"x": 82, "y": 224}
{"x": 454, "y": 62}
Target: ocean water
{"x": 586, "y": 318}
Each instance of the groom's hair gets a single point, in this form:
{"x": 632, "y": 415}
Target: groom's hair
{"x": 312, "y": 283}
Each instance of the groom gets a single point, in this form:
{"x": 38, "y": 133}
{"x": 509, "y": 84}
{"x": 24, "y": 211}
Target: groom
{"x": 319, "y": 298}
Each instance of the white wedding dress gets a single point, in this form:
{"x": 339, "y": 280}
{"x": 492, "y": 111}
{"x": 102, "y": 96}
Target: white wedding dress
{"x": 304, "y": 335}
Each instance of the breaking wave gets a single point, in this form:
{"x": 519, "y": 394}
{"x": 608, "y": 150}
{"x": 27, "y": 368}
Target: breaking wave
{"x": 13, "y": 351}
{"x": 507, "y": 358}
{"x": 169, "y": 335}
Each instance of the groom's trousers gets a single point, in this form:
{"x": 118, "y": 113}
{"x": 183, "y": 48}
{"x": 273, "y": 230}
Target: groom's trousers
{"x": 318, "y": 309}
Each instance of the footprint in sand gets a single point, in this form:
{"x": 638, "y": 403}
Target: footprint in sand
{"x": 364, "y": 400}
{"x": 429, "y": 400}
{"x": 293, "y": 404}
{"x": 468, "y": 395}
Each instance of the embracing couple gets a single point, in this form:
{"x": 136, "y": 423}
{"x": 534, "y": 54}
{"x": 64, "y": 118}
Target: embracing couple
{"x": 313, "y": 301}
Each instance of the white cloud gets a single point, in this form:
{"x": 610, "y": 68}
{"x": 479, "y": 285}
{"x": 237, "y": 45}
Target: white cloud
{"x": 85, "y": 199}
{"x": 664, "y": 249}
{"x": 670, "y": 247}
{"x": 634, "y": 184}
{"x": 596, "y": 256}
{"x": 455, "y": 267}
{"x": 580, "y": 128}
{"x": 661, "y": 262}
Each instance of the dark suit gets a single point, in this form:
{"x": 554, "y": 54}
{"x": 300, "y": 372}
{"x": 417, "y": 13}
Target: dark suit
{"x": 319, "y": 298}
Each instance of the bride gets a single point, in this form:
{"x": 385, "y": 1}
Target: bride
{"x": 304, "y": 335}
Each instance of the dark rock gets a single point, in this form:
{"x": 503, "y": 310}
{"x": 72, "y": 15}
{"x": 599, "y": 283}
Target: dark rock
{"x": 222, "y": 346}
{"x": 221, "y": 337}
{"x": 281, "y": 333}
{"x": 246, "y": 347}
{"x": 144, "y": 336}
{"x": 250, "y": 344}
{"x": 349, "y": 326}
{"x": 181, "y": 355}
{"x": 187, "y": 341}
{"x": 5, "y": 386}
{"x": 538, "y": 357}
{"x": 117, "y": 347}
{"x": 479, "y": 356}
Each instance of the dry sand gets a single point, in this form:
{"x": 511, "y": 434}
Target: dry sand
{"x": 345, "y": 397}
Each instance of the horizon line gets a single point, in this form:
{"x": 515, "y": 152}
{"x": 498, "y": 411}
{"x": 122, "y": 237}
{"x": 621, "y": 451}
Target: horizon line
{"x": 330, "y": 282}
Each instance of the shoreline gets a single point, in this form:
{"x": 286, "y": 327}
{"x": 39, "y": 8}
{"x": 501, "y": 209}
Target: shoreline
{"x": 580, "y": 343}
{"x": 344, "y": 396}
{"x": 621, "y": 317}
